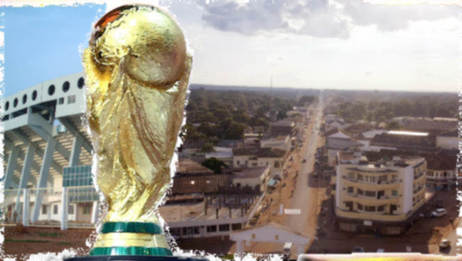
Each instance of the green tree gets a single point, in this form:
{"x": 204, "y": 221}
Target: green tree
{"x": 214, "y": 164}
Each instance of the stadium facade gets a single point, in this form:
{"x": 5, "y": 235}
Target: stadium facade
{"x": 47, "y": 155}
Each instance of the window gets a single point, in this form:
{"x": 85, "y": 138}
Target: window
{"x": 253, "y": 236}
{"x": 44, "y": 209}
{"x": 360, "y": 177}
{"x": 350, "y": 189}
{"x": 15, "y": 102}
{"x": 236, "y": 226}
{"x": 70, "y": 99}
{"x": 24, "y": 98}
{"x": 7, "y": 105}
{"x": 61, "y": 100}
{"x": 370, "y": 193}
{"x": 276, "y": 164}
{"x": 34, "y": 95}
{"x": 238, "y": 163}
{"x": 370, "y": 208}
{"x": 223, "y": 227}
{"x": 394, "y": 193}
{"x": 80, "y": 83}
{"x": 211, "y": 229}
{"x": 360, "y": 207}
{"x": 55, "y": 209}
{"x": 381, "y": 208}
{"x": 360, "y": 192}
{"x": 51, "y": 89}
{"x": 70, "y": 210}
{"x": 276, "y": 237}
{"x": 66, "y": 86}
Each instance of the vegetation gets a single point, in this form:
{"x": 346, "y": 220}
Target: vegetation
{"x": 214, "y": 164}
{"x": 379, "y": 111}
{"x": 214, "y": 115}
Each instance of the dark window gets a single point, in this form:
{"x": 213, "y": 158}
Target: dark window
{"x": 70, "y": 210}
{"x": 24, "y": 98}
{"x": 15, "y": 102}
{"x": 7, "y": 106}
{"x": 370, "y": 193}
{"x": 236, "y": 226}
{"x": 360, "y": 207}
{"x": 350, "y": 190}
{"x": 34, "y": 95}
{"x": 61, "y": 100}
{"x": 80, "y": 83}
{"x": 370, "y": 208}
{"x": 44, "y": 209}
{"x": 51, "y": 89}
{"x": 55, "y": 209}
{"x": 223, "y": 227}
{"x": 66, "y": 86}
{"x": 175, "y": 231}
{"x": 381, "y": 208}
{"x": 211, "y": 229}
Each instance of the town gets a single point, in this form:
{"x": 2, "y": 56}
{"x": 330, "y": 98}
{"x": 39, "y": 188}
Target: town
{"x": 260, "y": 170}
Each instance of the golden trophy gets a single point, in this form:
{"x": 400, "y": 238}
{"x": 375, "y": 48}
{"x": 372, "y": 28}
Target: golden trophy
{"x": 137, "y": 69}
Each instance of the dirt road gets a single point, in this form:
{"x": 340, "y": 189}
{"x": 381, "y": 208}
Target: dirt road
{"x": 306, "y": 197}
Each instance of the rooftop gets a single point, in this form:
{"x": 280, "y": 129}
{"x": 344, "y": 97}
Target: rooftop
{"x": 249, "y": 172}
{"x": 187, "y": 166}
{"x": 195, "y": 212}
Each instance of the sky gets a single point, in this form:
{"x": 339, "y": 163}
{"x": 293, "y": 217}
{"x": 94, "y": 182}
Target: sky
{"x": 341, "y": 44}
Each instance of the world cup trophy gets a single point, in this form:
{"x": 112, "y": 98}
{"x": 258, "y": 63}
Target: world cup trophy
{"x": 137, "y": 69}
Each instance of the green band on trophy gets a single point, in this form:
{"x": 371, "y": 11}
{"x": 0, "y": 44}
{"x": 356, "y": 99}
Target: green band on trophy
{"x": 131, "y": 227}
{"x": 128, "y": 251}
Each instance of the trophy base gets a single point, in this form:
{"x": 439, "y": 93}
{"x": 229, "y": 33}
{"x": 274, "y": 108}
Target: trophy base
{"x": 134, "y": 258}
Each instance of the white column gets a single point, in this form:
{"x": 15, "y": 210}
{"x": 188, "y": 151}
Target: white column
{"x": 64, "y": 209}
{"x": 25, "y": 208}
{"x": 95, "y": 212}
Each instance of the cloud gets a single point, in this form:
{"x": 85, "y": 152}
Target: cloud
{"x": 317, "y": 18}
{"x": 395, "y": 17}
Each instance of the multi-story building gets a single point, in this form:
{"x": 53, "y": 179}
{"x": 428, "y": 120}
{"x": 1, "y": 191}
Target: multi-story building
{"x": 381, "y": 196}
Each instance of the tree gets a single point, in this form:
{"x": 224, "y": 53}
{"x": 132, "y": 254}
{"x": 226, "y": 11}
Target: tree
{"x": 214, "y": 164}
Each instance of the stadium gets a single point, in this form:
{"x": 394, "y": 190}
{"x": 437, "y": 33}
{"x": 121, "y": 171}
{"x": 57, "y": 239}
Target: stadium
{"x": 47, "y": 156}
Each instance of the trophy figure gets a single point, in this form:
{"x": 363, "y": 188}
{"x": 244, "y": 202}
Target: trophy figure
{"x": 137, "y": 69}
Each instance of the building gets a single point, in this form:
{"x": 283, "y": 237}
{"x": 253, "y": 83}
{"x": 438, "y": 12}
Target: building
{"x": 441, "y": 170}
{"x": 255, "y": 177}
{"x": 448, "y": 140}
{"x": 378, "y": 196}
{"x": 221, "y": 153}
{"x": 47, "y": 154}
{"x": 193, "y": 220}
{"x": 192, "y": 177}
{"x": 432, "y": 125}
{"x": 282, "y": 142}
{"x": 259, "y": 157}
{"x": 411, "y": 141}
{"x": 338, "y": 141}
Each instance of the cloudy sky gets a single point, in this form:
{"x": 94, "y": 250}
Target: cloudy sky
{"x": 351, "y": 44}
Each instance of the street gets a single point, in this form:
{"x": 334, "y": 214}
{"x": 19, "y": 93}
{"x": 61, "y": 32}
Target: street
{"x": 306, "y": 198}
